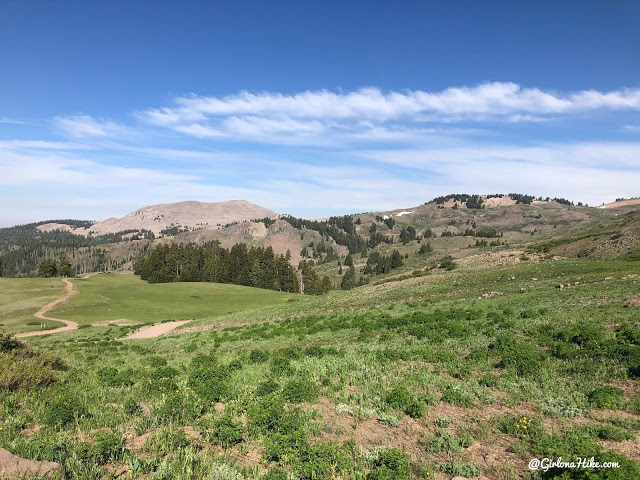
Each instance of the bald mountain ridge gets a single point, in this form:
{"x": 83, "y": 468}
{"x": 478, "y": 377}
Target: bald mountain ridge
{"x": 453, "y": 225}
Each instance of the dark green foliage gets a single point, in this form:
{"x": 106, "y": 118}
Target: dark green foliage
{"x": 299, "y": 391}
{"x": 107, "y": 447}
{"x": 518, "y": 354}
{"x": 265, "y": 416}
{"x": 341, "y": 229}
{"x": 227, "y": 432}
{"x": 131, "y": 407}
{"x": 8, "y": 343}
{"x": 280, "y": 365}
{"x": 448, "y": 263}
{"x": 349, "y": 280}
{"x": 425, "y": 248}
{"x": 113, "y": 377}
{"x": 322, "y": 460}
{"x": 47, "y": 268}
{"x": 209, "y": 379}
{"x": 267, "y": 387}
{"x": 392, "y": 464}
{"x": 255, "y": 266}
{"x": 64, "y": 410}
{"x": 258, "y": 356}
{"x": 85, "y": 251}
{"x": 456, "y": 396}
{"x": 400, "y": 399}
{"x": 606, "y": 397}
{"x": 520, "y": 198}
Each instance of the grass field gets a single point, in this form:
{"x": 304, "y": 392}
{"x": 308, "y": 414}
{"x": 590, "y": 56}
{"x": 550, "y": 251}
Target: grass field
{"x": 413, "y": 379}
{"x": 123, "y": 296}
{"x": 20, "y": 298}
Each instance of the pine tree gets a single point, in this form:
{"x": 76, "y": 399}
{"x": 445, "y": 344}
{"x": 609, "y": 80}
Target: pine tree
{"x": 47, "y": 268}
{"x": 349, "y": 280}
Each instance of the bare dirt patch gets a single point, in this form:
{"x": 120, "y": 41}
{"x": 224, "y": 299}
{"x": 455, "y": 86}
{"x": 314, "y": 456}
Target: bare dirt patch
{"x": 12, "y": 466}
{"x": 153, "y": 331}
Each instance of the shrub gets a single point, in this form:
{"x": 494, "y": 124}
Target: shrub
{"x": 444, "y": 442}
{"x": 111, "y": 376}
{"x": 267, "y": 387}
{"x": 235, "y": 365}
{"x": 322, "y": 460}
{"x": 265, "y": 416}
{"x": 517, "y": 353}
{"x": 606, "y": 397}
{"x": 258, "y": 356}
{"x": 298, "y": 391}
{"x": 208, "y": 381}
{"x": 400, "y": 399}
{"x": 442, "y": 422}
{"x": 227, "y": 432}
{"x": 63, "y": 411}
{"x": 131, "y": 407}
{"x": 448, "y": 263}
{"x": 107, "y": 447}
{"x": 568, "y": 406}
{"x": 391, "y": 464}
{"x": 275, "y": 474}
{"x": 281, "y": 366}
{"x": 456, "y": 396}
{"x": 22, "y": 367}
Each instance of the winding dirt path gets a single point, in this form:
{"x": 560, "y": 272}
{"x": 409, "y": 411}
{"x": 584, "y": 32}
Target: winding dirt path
{"x": 42, "y": 313}
{"x": 152, "y": 331}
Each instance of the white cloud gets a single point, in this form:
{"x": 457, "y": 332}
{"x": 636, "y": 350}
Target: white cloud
{"x": 371, "y": 103}
{"x": 323, "y": 117}
{"x": 83, "y": 126}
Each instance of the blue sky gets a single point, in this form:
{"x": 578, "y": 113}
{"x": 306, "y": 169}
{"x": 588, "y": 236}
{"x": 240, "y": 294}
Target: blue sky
{"x": 313, "y": 108}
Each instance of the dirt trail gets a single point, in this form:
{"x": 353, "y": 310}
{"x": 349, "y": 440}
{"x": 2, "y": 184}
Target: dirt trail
{"x": 156, "y": 330}
{"x": 42, "y": 313}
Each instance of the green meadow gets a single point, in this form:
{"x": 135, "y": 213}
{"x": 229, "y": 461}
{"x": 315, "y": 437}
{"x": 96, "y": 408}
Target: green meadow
{"x": 20, "y": 298}
{"x": 470, "y": 372}
{"x": 125, "y": 298}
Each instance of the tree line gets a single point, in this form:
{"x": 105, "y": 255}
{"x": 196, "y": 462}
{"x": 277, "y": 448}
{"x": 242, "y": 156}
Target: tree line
{"x": 23, "y": 247}
{"x": 253, "y": 267}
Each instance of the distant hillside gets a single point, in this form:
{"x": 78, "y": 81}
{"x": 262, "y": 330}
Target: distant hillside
{"x": 172, "y": 217}
{"x": 458, "y": 224}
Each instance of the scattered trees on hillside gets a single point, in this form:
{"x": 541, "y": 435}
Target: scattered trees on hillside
{"x": 378, "y": 263}
{"x": 425, "y": 248}
{"x": 407, "y": 234}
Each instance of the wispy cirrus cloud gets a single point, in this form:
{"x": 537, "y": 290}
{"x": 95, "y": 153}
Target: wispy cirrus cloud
{"x": 85, "y": 126}
{"x": 323, "y": 112}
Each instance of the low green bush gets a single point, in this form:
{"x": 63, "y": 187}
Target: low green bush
{"x": 606, "y": 397}
{"x": 64, "y": 410}
{"x": 226, "y": 432}
{"x": 400, "y": 399}
{"x": 299, "y": 391}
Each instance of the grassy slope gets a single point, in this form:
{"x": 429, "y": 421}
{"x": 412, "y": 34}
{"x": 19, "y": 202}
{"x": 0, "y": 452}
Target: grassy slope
{"x": 452, "y": 371}
{"x": 20, "y": 298}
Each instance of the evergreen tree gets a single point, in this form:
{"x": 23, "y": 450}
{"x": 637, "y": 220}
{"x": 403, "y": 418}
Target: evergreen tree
{"x": 64, "y": 268}
{"x": 349, "y": 280}
{"x": 396, "y": 259}
{"x": 47, "y": 268}
{"x": 348, "y": 261}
